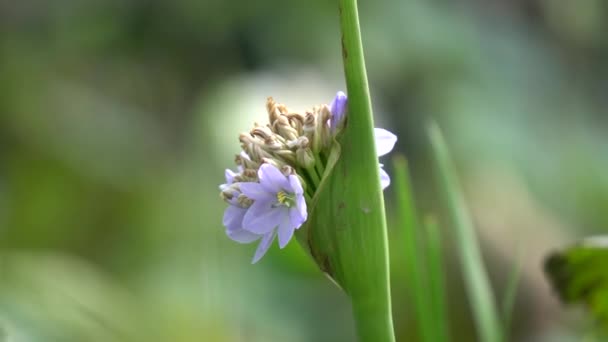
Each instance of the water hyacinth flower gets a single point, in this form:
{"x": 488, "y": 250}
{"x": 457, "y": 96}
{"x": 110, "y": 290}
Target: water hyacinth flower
{"x": 385, "y": 140}
{"x": 279, "y": 205}
{"x": 279, "y": 170}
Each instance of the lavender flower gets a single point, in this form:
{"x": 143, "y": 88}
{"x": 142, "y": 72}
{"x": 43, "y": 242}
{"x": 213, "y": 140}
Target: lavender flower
{"x": 264, "y": 195}
{"x": 338, "y": 110}
{"x": 279, "y": 207}
{"x": 233, "y": 220}
{"x": 385, "y": 140}
{"x": 234, "y": 214}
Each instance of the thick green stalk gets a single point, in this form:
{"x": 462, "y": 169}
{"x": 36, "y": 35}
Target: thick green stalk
{"x": 475, "y": 276}
{"x": 371, "y": 298}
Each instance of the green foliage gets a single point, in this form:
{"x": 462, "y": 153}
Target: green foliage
{"x": 424, "y": 268}
{"x": 579, "y": 274}
{"x": 476, "y": 279}
{"x": 346, "y": 229}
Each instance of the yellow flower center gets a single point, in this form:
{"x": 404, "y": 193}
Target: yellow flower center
{"x": 285, "y": 198}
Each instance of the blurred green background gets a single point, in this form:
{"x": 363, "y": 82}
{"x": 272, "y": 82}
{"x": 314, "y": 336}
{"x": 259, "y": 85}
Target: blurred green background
{"x": 118, "y": 118}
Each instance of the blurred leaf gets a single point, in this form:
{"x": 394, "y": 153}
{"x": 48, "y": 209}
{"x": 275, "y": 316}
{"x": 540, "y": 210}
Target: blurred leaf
{"x": 579, "y": 274}
{"x": 414, "y": 249}
{"x": 476, "y": 279}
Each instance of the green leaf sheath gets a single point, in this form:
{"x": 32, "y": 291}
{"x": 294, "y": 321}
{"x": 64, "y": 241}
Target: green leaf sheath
{"x": 476, "y": 279}
{"x": 346, "y": 228}
{"x": 367, "y": 245}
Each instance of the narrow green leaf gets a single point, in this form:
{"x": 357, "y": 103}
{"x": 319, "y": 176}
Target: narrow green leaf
{"x": 475, "y": 276}
{"x": 437, "y": 280}
{"x": 414, "y": 250}
{"x": 346, "y": 227}
{"x": 511, "y": 294}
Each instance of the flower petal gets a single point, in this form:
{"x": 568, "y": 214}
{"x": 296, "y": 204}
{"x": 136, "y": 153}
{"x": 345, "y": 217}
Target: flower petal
{"x": 263, "y": 246}
{"x": 255, "y": 191}
{"x": 272, "y": 179}
{"x": 385, "y": 180}
{"x": 262, "y": 217}
{"x": 285, "y": 232}
{"x": 242, "y": 236}
{"x": 229, "y": 174}
{"x": 295, "y": 186}
{"x": 385, "y": 141}
{"x": 233, "y": 218}
{"x": 337, "y": 108}
{"x": 298, "y": 215}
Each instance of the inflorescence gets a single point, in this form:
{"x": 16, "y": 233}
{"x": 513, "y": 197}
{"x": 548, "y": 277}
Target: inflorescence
{"x": 279, "y": 169}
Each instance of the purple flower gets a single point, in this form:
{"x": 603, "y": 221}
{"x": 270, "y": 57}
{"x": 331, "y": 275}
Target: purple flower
{"x": 338, "y": 110}
{"x": 279, "y": 207}
{"x": 233, "y": 220}
{"x": 233, "y": 215}
{"x": 229, "y": 174}
{"x": 385, "y": 140}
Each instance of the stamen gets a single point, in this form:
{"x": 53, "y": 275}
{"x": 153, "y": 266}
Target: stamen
{"x": 285, "y": 198}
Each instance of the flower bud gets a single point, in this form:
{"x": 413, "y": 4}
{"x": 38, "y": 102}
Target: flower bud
{"x": 323, "y": 129}
{"x": 283, "y": 128}
{"x": 288, "y": 170}
{"x": 244, "y": 201}
{"x": 309, "y": 124}
{"x": 273, "y": 111}
{"x": 245, "y": 162}
{"x": 305, "y": 157}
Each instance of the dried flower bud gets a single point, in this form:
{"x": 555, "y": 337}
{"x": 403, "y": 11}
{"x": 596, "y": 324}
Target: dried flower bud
{"x": 250, "y": 174}
{"x": 263, "y": 132}
{"x": 323, "y": 129}
{"x": 288, "y": 170}
{"x": 296, "y": 120}
{"x": 283, "y": 128}
{"x": 298, "y": 143}
{"x": 310, "y": 121}
{"x": 245, "y": 162}
{"x": 273, "y": 111}
{"x": 305, "y": 157}
{"x": 244, "y": 201}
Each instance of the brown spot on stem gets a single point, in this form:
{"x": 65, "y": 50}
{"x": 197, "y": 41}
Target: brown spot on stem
{"x": 344, "y": 51}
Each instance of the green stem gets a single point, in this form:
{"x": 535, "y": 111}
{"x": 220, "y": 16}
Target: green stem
{"x": 371, "y": 306}
{"x": 319, "y": 162}
{"x": 475, "y": 275}
{"x": 312, "y": 172}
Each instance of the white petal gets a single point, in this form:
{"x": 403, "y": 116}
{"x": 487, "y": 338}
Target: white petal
{"x": 385, "y": 141}
{"x": 263, "y": 246}
{"x": 385, "y": 180}
{"x": 229, "y": 174}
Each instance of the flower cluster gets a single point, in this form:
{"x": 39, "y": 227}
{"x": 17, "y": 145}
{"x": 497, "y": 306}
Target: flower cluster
{"x": 279, "y": 169}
